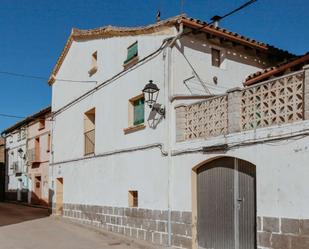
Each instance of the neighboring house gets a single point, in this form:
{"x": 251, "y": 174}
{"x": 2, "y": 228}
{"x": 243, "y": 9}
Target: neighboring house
{"x": 194, "y": 166}
{"x": 22, "y": 175}
{"x": 16, "y": 183}
{"x": 38, "y": 151}
{"x": 2, "y": 168}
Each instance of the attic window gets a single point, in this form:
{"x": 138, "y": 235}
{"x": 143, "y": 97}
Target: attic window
{"x": 94, "y": 64}
{"x": 215, "y": 57}
{"x": 132, "y": 55}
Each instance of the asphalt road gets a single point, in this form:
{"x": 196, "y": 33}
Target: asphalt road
{"x": 24, "y": 227}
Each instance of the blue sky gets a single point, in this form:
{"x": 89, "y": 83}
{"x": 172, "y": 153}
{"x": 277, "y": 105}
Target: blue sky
{"x": 33, "y": 33}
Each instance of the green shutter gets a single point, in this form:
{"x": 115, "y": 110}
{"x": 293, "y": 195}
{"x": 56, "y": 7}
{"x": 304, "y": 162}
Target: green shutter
{"x": 132, "y": 52}
{"x": 139, "y": 111}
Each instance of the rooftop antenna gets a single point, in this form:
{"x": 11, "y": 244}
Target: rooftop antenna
{"x": 158, "y": 17}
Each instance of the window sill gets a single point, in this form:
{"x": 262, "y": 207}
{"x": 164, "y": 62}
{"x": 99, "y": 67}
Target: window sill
{"x": 130, "y": 63}
{"x": 134, "y": 128}
{"x": 92, "y": 71}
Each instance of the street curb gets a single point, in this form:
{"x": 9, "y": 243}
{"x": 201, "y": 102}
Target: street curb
{"x": 122, "y": 238}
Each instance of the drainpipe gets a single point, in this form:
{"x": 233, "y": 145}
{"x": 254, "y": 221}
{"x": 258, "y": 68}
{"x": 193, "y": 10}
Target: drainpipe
{"x": 170, "y": 90}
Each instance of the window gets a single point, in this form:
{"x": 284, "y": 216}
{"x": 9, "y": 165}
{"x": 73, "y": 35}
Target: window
{"x": 136, "y": 114}
{"x": 138, "y": 109}
{"x": 48, "y": 143}
{"x": 132, "y": 53}
{"x": 215, "y": 57}
{"x": 41, "y": 124}
{"x": 37, "y": 150}
{"x": 94, "y": 64}
{"x": 23, "y": 134}
{"x": 18, "y": 136}
{"x": 89, "y": 132}
{"x": 133, "y": 198}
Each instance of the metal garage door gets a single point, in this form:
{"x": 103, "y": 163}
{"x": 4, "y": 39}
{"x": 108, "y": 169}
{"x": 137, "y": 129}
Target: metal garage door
{"x": 226, "y": 204}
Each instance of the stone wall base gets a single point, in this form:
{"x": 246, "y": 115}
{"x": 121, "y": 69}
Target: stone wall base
{"x": 282, "y": 233}
{"x": 143, "y": 224}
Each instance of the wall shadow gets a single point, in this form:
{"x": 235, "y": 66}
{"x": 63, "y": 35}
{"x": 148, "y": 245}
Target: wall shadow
{"x": 11, "y": 213}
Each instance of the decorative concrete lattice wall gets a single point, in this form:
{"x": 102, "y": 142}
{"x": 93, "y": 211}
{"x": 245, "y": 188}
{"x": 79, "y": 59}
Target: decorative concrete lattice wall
{"x": 206, "y": 119}
{"x": 272, "y": 103}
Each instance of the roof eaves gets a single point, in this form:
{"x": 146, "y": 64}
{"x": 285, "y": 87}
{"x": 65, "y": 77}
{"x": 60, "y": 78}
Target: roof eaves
{"x": 27, "y": 120}
{"x": 268, "y": 72}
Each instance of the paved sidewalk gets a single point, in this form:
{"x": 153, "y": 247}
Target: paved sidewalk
{"x": 24, "y": 227}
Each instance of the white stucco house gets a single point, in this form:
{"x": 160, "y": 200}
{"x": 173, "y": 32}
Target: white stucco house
{"x": 26, "y": 159}
{"x": 16, "y": 180}
{"x": 200, "y": 165}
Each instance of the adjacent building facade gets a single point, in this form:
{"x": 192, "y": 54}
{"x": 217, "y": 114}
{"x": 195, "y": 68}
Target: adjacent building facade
{"x": 2, "y": 168}
{"x": 27, "y": 157}
{"x": 206, "y": 162}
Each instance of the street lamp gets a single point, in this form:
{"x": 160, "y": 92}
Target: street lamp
{"x": 151, "y": 91}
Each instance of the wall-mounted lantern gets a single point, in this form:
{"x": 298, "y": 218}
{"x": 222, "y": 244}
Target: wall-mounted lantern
{"x": 151, "y": 92}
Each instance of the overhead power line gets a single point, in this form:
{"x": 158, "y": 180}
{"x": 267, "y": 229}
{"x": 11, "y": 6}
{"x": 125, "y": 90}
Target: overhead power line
{"x": 120, "y": 74}
{"x": 35, "y": 77}
{"x": 219, "y": 18}
{"x": 10, "y": 116}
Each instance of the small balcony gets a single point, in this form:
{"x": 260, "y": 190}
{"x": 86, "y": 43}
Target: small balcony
{"x": 16, "y": 166}
{"x": 34, "y": 156}
{"x": 274, "y": 102}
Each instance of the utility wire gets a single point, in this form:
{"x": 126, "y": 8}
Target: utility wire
{"x": 124, "y": 71}
{"x": 218, "y": 18}
{"x": 43, "y": 78}
{"x": 10, "y": 116}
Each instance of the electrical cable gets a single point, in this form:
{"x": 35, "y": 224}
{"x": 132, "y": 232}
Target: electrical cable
{"x": 43, "y": 78}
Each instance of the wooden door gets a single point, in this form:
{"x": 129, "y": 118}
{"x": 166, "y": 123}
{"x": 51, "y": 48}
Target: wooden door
{"x": 226, "y": 204}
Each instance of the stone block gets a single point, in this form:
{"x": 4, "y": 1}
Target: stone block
{"x": 299, "y": 242}
{"x": 178, "y": 228}
{"x": 128, "y": 231}
{"x": 280, "y": 241}
{"x": 161, "y": 226}
{"x": 157, "y": 238}
{"x": 263, "y": 239}
{"x": 186, "y": 217}
{"x": 148, "y": 236}
{"x": 141, "y": 234}
{"x": 183, "y": 242}
{"x": 304, "y": 227}
{"x": 134, "y": 233}
{"x": 164, "y": 239}
{"x": 290, "y": 226}
{"x": 152, "y": 225}
{"x": 258, "y": 224}
{"x": 270, "y": 224}
{"x": 121, "y": 230}
{"x": 176, "y": 216}
{"x": 188, "y": 230}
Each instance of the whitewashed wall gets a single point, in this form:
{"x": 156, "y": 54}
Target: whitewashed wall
{"x": 107, "y": 180}
{"x": 13, "y": 144}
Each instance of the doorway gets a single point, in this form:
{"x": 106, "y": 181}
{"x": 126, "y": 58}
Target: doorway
{"x": 226, "y": 204}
